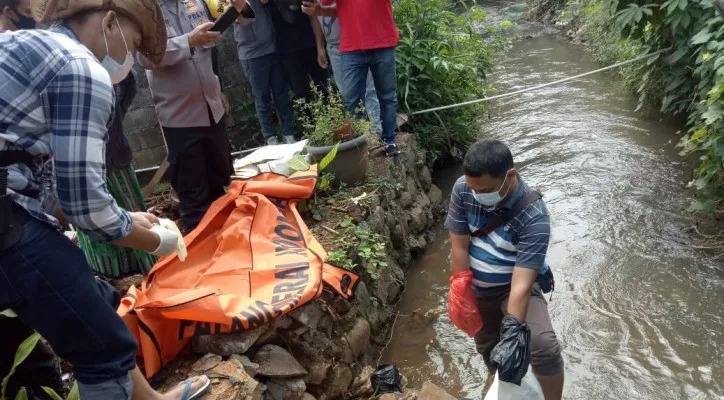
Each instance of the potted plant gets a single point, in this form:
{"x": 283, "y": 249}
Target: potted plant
{"x": 329, "y": 128}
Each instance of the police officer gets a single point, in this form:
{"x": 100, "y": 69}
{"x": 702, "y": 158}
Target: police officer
{"x": 191, "y": 108}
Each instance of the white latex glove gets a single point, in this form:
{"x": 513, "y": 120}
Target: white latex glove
{"x": 169, "y": 241}
{"x": 180, "y": 243}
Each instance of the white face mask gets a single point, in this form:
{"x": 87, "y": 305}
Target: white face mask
{"x": 117, "y": 71}
{"x": 492, "y": 198}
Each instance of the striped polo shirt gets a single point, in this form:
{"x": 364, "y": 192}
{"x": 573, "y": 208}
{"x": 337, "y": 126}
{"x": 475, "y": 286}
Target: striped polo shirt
{"x": 523, "y": 242}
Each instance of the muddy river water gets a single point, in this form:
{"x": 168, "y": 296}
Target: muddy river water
{"x": 639, "y": 311}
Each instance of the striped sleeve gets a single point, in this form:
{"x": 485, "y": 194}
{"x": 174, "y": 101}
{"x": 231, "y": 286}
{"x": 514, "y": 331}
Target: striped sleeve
{"x": 457, "y": 219}
{"x": 533, "y": 242}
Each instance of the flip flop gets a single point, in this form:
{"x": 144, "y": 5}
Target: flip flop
{"x": 187, "y": 395}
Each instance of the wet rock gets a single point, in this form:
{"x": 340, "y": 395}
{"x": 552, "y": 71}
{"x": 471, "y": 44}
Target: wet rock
{"x": 362, "y": 386}
{"x": 431, "y": 392}
{"x": 318, "y": 372}
{"x": 226, "y": 345}
{"x": 232, "y": 382}
{"x": 340, "y": 306}
{"x": 405, "y": 200}
{"x": 358, "y": 340}
{"x": 425, "y": 178}
{"x": 250, "y": 367}
{"x": 285, "y": 389}
{"x": 275, "y": 362}
{"x": 362, "y": 298}
{"x": 417, "y": 244}
{"x": 397, "y": 236}
{"x": 308, "y": 314}
{"x": 418, "y": 219}
{"x": 339, "y": 382}
{"x": 205, "y": 363}
{"x": 435, "y": 195}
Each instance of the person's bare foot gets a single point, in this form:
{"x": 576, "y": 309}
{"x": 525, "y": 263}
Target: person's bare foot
{"x": 176, "y": 392}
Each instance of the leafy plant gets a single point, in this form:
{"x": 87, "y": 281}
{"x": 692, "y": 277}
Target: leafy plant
{"x": 23, "y": 351}
{"x": 325, "y": 115}
{"x": 368, "y": 246}
{"x": 442, "y": 59}
{"x": 685, "y": 81}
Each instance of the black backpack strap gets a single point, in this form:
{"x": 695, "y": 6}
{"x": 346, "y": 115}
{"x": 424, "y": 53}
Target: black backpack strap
{"x": 500, "y": 220}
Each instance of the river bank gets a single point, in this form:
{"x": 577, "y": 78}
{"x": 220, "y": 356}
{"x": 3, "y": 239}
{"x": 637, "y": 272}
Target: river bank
{"x": 628, "y": 307}
{"x": 329, "y": 348}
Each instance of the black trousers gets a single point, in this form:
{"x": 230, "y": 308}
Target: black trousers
{"x": 301, "y": 68}
{"x": 200, "y": 167}
{"x": 39, "y": 369}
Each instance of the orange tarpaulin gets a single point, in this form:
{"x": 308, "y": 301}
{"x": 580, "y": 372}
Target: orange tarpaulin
{"x": 251, "y": 259}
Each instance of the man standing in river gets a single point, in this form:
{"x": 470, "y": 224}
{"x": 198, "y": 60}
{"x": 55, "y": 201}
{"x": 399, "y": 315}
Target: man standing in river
{"x": 507, "y": 260}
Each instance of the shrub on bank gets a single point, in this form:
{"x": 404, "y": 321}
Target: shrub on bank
{"x": 688, "y": 80}
{"x": 442, "y": 58}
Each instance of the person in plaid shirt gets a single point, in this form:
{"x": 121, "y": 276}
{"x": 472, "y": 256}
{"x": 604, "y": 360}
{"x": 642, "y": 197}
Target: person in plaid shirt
{"x": 56, "y": 102}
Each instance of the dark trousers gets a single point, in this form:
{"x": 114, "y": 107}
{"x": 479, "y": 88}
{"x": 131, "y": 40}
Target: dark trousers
{"x": 545, "y": 354}
{"x": 46, "y": 280}
{"x": 200, "y": 167}
{"x": 266, "y": 77}
{"x": 39, "y": 369}
{"x": 302, "y": 68}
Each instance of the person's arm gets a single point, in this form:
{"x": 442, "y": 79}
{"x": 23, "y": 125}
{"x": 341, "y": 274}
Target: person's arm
{"x": 81, "y": 97}
{"x": 532, "y": 248}
{"x": 315, "y": 9}
{"x": 457, "y": 223}
{"x": 180, "y": 48}
{"x": 460, "y": 252}
{"x": 319, "y": 39}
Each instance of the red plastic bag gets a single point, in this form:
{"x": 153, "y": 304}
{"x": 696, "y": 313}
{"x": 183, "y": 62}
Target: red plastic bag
{"x": 462, "y": 306}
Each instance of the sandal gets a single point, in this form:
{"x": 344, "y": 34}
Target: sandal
{"x": 187, "y": 395}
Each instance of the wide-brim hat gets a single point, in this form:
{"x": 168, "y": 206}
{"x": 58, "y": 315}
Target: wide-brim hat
{"x": 146, "y": 14}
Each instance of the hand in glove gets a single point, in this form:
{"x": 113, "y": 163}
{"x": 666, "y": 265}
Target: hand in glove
{"x": 511, "y": 356}
{"x": 169, "y": 241}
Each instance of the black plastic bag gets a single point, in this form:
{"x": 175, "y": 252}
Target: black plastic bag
{"x": 386, "y": 379}
{"x": 511, "y": 356}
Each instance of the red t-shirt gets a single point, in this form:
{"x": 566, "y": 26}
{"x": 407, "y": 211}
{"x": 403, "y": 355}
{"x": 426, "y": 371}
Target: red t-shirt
{"x": 365, "y": 24}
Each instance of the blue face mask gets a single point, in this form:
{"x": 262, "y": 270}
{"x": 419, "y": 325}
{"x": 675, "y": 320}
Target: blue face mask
{"x": 492, "y": 198}
{"x": 116, "y": 70}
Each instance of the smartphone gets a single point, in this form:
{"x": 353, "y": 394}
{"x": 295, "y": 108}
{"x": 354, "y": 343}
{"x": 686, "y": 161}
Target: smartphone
{"x": 228, "y": 18}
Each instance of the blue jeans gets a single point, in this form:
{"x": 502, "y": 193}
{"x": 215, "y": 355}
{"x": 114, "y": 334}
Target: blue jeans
{"x": 380, "y": 63}
{"x": 266, "y": 77}
{"x": 372, "y": 104}
{"x": 46, "y": 280}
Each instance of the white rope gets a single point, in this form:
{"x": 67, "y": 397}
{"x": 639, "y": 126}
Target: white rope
{"x": 500, "y": 96}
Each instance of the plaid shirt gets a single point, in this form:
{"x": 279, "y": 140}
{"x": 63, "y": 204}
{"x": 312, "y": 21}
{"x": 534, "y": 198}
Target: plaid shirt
{"x": 55, "y": 103}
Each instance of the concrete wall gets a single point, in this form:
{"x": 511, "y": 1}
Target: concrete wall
{"x": 141, "y": 125}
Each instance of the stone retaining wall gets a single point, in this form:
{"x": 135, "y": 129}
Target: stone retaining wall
{"x": 327, "y": 349}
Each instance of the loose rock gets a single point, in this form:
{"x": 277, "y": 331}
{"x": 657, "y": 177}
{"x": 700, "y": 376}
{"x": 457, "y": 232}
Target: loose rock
{"x": 275, "y": 362}
{"x": 308, "y": 314}
{"x": 391, "y": 396}
{"x": 431, "y": 392}
{"x": 339, "y": 382}
{"x": 362, "y": 386}
{"x": 358, "y": 340}
{"x": 405, "y": 200}
{"x": 285, "y": 389}
{"x": 233, "y": 383}
{"x": 227, "y": 345}
{"x": 205, "y": 363}
{"x": 308, "y": 396}
{"x": 318, "y": 372}
{"x": 250, "y": 367}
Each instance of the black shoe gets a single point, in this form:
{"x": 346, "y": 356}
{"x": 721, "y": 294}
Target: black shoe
{"x": 391, "y": 149}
